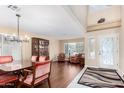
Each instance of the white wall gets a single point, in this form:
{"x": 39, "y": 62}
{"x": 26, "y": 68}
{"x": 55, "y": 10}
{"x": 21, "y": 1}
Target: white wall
{"x": 121, "y": 43}
{"x": 110, "y": 14}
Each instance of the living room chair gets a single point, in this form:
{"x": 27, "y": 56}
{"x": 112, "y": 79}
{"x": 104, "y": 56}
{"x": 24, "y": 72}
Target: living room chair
{"x": 61, "y": 57}
{"x": 78, "y": 58}
{"x": 40, "y": 72}
{"x": 74, "y": 59}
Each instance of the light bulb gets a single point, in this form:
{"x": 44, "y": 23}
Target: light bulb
{"x": 26, "y": 36}
{"x": 14, "y": 34}
{"x": 5, "y": 35}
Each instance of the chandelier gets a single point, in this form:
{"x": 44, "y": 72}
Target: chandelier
{"x": 16, "y": 38}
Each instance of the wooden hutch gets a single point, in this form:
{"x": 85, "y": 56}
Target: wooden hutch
{"x": 40, "y": 47}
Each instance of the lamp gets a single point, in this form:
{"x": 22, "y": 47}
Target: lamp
{"x": 16, "y": 38}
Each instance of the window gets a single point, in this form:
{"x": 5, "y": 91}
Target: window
{"x": 73, "y": 48}
{"x": 8, "y": 48}
{"x": 91, "y": 51}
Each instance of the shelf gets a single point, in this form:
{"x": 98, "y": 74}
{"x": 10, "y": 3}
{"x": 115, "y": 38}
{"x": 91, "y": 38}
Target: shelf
{"x": 40, "y": 47}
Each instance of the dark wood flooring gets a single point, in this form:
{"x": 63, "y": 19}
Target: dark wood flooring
{"x": 62, "y": 74}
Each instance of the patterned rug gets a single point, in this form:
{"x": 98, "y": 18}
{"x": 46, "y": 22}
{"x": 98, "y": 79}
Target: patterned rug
{"x": 101, "y": 78}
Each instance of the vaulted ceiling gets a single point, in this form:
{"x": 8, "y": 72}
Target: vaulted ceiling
{"x": 60, "y": 22}
{"x": 111, "y": 13}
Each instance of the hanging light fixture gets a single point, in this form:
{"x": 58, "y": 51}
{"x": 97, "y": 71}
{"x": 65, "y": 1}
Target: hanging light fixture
{"x": 16, "y": 38}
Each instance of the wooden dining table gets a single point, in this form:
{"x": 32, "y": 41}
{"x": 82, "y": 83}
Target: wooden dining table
{"x": 16, "y": 65}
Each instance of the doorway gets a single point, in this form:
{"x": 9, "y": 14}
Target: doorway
{"x": 102, "y": 49}
{"x": 108, "y": 51}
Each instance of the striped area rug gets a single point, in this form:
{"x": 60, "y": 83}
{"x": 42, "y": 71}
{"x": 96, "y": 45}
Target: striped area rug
{"x": 101, "y": 78}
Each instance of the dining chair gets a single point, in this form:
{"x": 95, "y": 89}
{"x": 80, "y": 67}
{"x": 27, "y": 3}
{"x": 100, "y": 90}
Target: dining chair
{"x": 6, "y": 77}
{"x": 42, "y": 58}
{"x": 41, "y": 71}
{"x": 5, "y": 59}
{"x": 37, "y": 59}
{"x": 34, "y": 58}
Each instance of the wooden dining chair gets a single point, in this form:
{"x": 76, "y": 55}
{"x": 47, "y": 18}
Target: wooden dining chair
{"x": 34, "y": 58}
{"x": 41, "y": 71}
{"x": 42, "y": 58}
{"x": 38, "y": 59}
{"x": 3, "y": 60}
{"x": 6, "y": 77}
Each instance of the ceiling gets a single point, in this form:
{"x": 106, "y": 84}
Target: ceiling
{"x": 98, "y": 8}
{"x": 111, "y": 13}
{"x": 58, "y": 22}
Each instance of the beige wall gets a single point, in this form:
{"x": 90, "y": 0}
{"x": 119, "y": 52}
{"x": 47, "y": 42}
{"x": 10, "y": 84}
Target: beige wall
{"x": 26, "y": 47}
{"x": 110, "y": 14}
{"x": 69, "y": 41}
{"x": 121, "y": 43}
{"x": 54, "y": 49}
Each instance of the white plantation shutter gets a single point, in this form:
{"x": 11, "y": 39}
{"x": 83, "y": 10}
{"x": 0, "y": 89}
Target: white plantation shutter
{"x": 8, "y": 48}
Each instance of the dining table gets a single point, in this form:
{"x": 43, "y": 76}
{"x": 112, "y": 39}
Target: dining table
{"x": 16, "y": 66}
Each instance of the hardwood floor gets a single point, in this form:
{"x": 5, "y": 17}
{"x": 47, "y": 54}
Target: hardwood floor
{"x": 62, "y": 74}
